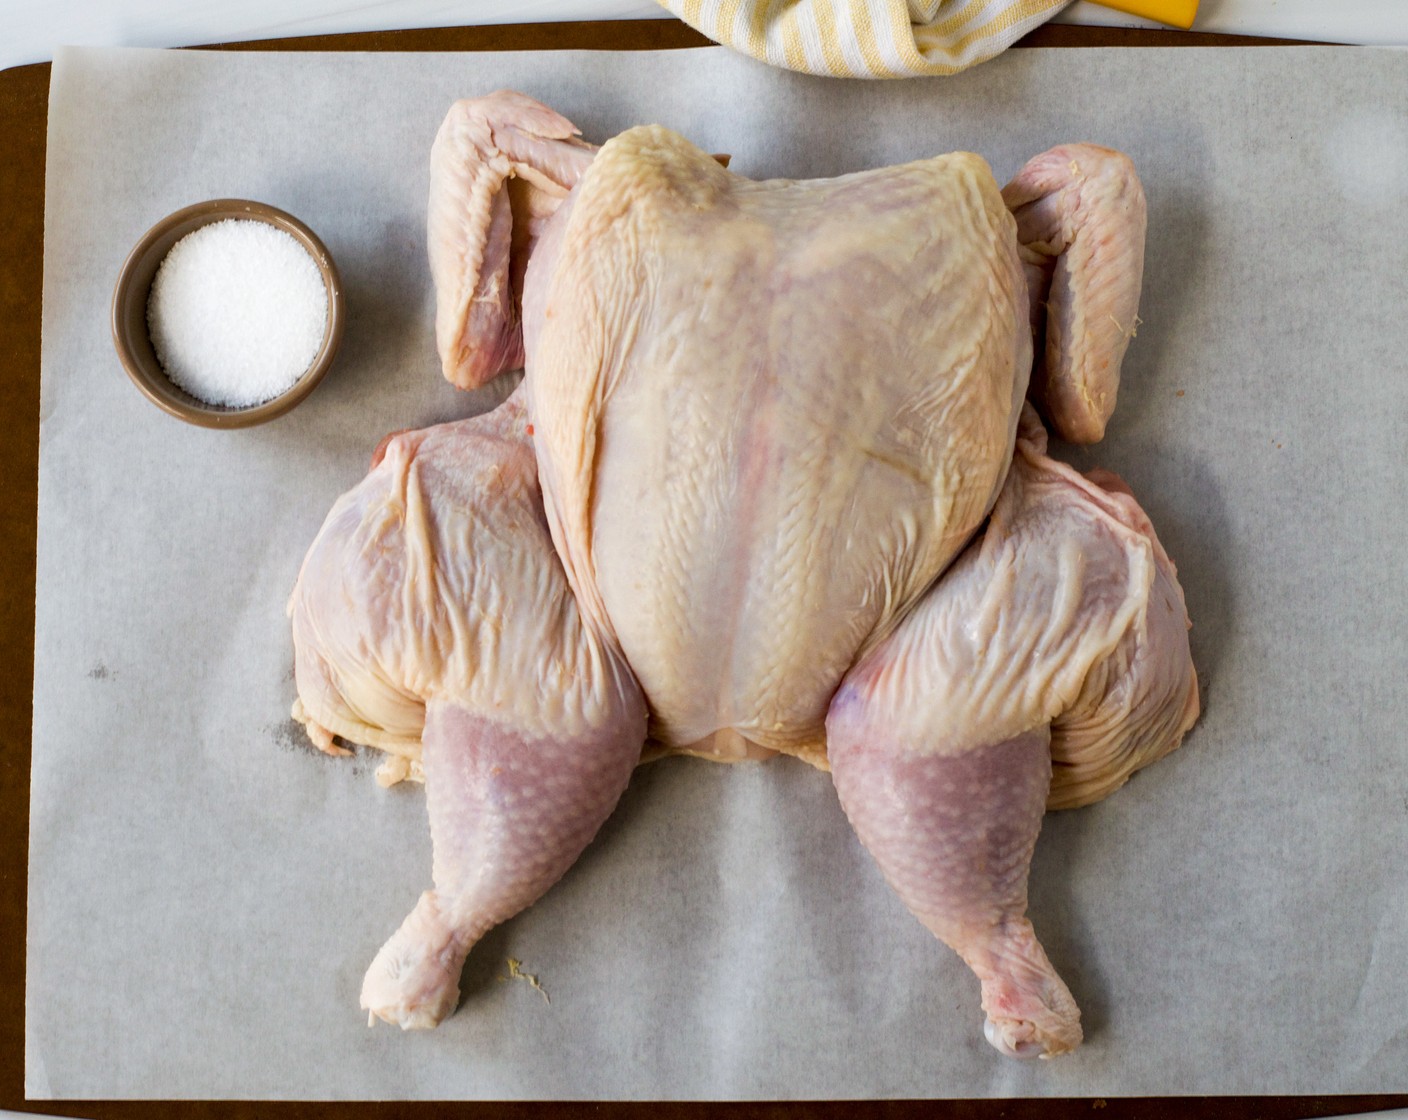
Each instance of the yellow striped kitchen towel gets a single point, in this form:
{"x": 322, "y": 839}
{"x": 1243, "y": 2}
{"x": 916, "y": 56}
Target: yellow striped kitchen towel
{"x": 867, "y": 38}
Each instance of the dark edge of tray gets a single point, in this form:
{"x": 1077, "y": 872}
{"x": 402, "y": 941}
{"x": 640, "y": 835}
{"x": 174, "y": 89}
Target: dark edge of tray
{"x": 24, "y": 95}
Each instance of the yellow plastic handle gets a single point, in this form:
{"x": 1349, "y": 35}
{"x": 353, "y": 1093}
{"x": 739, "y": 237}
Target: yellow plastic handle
{"x": 1175, "y": 13}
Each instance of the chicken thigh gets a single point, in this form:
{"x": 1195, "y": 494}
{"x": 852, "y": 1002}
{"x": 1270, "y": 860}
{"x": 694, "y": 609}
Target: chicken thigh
{"x": 765, "y": 418}
{"x": 1049, "y": 663}
{"x": 431, "y": 618}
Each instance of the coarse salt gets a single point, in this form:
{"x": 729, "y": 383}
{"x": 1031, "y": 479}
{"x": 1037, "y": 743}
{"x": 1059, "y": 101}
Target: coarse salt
{"x": 237, "y": 312}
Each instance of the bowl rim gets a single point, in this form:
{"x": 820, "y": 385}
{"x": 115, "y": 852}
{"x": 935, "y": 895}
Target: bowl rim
{"x": 153, "y": 382}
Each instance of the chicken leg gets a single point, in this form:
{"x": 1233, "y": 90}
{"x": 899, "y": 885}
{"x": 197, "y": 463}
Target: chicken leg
{"x": 509, "y": 814}
{"x": 432, "y": 618}
{"x": 1056, "y": 643}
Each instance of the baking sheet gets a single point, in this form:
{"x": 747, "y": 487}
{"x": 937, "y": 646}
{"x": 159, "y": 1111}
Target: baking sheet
{"x": 206, "y": 891}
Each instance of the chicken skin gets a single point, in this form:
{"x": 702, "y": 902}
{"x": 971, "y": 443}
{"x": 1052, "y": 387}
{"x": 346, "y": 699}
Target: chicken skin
{"x": 770, "y": 486}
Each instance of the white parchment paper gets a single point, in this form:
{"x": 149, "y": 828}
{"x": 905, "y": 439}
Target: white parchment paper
{"x": 206, "y": 891}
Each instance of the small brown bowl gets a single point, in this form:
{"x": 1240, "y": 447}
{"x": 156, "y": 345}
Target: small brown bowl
{"x": 129, "y": 314}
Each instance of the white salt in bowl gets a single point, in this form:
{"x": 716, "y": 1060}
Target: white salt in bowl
{"x": 132, "y": 338}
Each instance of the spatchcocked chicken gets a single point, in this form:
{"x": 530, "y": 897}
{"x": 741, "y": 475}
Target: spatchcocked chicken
{"x": 771, "y": 485}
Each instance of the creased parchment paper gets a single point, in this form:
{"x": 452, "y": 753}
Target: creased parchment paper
{"x": 206, "y": 891}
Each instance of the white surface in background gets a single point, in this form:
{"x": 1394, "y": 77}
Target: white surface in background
{"x": 33, "y": 30}
{"x": 1381, "y": 22}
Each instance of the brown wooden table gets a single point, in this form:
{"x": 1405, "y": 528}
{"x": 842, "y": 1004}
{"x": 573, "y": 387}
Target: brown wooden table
{"x": 24, "y": 98}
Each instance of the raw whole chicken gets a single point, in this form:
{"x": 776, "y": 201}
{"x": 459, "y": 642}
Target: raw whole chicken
{"x": 770, "y": 485}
